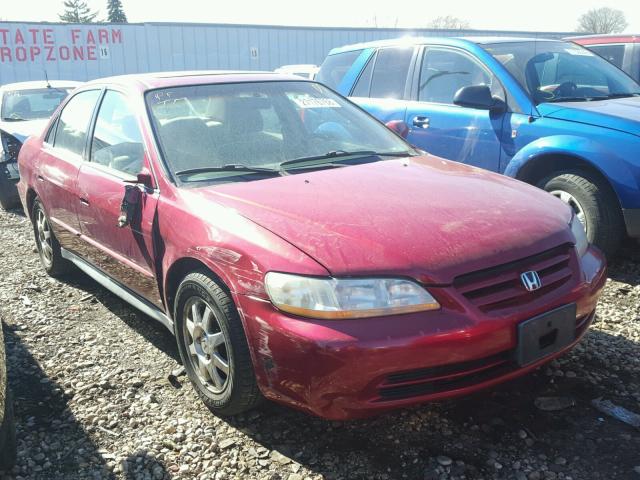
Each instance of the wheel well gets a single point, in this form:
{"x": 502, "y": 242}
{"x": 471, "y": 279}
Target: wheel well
{"x": 541, "y": 167}
{"x": 180, "y": 269}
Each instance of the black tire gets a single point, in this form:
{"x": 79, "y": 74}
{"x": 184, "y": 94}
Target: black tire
{"x": 8, "y": 442}
{"x": 8, "y": 192}
{"x": 51, "y": 256}
{"x": 239, "y": 392}
{"x": 603, "y": 217}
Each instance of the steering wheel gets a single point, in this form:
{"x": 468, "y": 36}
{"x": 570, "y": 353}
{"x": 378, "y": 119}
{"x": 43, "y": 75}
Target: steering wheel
{"x": 565, "y": 89}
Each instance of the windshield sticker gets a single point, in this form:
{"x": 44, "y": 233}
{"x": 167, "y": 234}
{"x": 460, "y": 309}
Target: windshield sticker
{"x": 310, "y": 102}
{"x": 578, "y": 51}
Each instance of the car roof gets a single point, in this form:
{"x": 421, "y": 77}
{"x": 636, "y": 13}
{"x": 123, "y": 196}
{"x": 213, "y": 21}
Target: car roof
{"x": 452, "y": 41}
{"x": 608, "y": 38}
{"x": 154, "y": 80}
{"x": 33, "y": 85}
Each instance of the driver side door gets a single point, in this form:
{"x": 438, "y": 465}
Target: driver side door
{"x": 447, "y": 130}
{"x": 117, "y": 155}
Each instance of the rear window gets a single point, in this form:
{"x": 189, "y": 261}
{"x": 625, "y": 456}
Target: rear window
{"x": 335, "y": 67}
{"x": 612, "y": 53}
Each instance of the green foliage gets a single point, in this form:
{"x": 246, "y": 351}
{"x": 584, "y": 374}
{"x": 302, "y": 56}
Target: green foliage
{"x": 77, "y": 11}
{"x": 116, "y": 12}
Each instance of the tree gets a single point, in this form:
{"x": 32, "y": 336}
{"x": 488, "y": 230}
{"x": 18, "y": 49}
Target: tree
{"x": 115, "y": 12}
{"x": 602, "y": 20}
{"x": 449, "y": 22}
{"x": 77, "y": 11}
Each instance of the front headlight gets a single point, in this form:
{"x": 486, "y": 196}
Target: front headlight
{"x": 334, "y": 298}
{"x": 580, "y": 236}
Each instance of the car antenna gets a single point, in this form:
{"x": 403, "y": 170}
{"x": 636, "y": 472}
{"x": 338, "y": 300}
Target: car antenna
{"x": 46, "y": 77}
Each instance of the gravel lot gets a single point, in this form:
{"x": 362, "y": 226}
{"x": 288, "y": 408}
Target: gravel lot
{"x": 96, "y": 399}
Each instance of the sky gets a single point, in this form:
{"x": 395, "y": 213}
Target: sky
{"x": 539, "y": 15}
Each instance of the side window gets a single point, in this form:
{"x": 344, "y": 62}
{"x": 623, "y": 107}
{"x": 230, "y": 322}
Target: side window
{"x": 117, "y": 141}
{"x": 390, "y": 72}
{"x": 444, "y": 72}
{"x": 612, "y": 53}
{"x": 71, "y": 133}
{"x": 335, "y": 67}
{"x": 364, "y": 82}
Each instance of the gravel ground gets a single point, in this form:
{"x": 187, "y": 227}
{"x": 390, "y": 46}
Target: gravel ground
{"x": 96, "y": 398}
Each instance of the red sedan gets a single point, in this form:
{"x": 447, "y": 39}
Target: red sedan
{"x": 298, "y": 249}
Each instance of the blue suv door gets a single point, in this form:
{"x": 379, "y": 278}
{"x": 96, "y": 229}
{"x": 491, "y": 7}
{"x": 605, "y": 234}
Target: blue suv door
{"x": 438, "y": 126}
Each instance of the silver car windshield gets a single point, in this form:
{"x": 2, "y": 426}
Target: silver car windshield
{"x": 32, "y": 104}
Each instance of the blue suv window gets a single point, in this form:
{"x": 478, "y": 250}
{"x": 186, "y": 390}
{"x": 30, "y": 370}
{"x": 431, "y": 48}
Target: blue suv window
{"x": 335, "y": 67}
{"x": 445, "y": 71}
{"x": 390, "y": 72}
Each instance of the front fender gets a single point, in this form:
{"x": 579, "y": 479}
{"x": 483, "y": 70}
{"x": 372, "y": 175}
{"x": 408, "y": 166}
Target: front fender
{"x": 622, "y": 175}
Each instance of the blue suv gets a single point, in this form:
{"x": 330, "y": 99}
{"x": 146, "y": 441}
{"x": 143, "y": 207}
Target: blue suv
{"x": 547, "y": 112}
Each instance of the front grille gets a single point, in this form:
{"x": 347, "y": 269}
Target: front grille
{"x": 443, "y": 378}
{"x": 499, "y": 288}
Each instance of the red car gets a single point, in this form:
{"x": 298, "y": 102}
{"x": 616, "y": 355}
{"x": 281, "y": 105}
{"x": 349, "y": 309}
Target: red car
{"x": 620, "y": 49}
{"x": 298, "y": 249}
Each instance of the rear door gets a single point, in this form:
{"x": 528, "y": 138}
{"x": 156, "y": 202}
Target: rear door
{"x": 116, "y": 155}
{"x": 383, "y": 86}
{"x": 62, "y": 153}
{"x": 438, "y": 126}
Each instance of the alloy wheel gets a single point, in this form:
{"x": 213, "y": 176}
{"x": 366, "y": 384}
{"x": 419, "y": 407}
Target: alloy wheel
{"x": 206, "y": 345}
{"x": 44, "y": 236}
{"x": 570, "y": 200}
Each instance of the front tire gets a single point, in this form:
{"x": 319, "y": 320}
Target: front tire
{"x": 47, "y": 243}
{"x": 213, "y": 346}
{"x": 594, "y": 203}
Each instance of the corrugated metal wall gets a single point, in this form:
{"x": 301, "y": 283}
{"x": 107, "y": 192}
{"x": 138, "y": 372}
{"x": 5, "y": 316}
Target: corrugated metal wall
{"x": 87, "y": 51}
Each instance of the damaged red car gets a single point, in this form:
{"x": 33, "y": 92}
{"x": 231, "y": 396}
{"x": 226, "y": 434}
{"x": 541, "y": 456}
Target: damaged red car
{"x": 298, "y": 249}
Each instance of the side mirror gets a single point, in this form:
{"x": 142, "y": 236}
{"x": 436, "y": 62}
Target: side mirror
{"x": 144, "y": 180}
{"x": 477, "y": 96}
{"x": 133, "y": 190}
{"x": 399, "y": 127}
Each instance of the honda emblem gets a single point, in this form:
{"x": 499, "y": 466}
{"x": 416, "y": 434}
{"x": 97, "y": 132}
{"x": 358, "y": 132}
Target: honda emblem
{"x": 531, "y": 280}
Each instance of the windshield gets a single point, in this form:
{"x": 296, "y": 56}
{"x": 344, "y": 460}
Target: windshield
{"x": 31, "y": 104}
{"x": 242, "y": 130}
{"x": 561, "y": 71}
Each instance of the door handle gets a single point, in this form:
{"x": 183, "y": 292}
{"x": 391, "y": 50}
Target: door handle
{"x": 421, "y": 122}
{"x": 84, "y": 201}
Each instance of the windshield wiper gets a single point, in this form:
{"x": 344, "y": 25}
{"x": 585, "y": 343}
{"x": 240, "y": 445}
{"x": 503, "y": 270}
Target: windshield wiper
{"x": 233, "y": 167}
{"x": 623, "y": 95}
{"x": 575, "y": 99}
{"x": 341, "y": 153}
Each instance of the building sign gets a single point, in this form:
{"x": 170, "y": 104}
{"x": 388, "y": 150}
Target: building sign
{"x": 40, "y": 44}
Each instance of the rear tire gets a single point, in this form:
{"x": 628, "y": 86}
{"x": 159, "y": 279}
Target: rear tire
{"x": 48, "y": 247}
{"x": 595, "y": 204}
{"x": 8, "y": 442}
{"x": 213, "y": 346}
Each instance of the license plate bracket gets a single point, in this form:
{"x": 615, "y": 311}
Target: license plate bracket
{"x": 546, "y": 334}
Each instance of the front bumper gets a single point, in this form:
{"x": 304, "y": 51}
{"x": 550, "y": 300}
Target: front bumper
{"x": 632, "y": 221}
{"x": 355, "y": 368}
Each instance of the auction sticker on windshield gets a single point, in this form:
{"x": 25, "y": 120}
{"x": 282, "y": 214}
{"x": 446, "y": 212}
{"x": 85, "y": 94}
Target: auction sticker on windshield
{"x": 311, "y": 102}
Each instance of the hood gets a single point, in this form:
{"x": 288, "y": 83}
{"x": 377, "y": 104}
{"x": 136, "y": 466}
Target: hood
{"x": 422, "y": 217}
{"x": 621, "y": 114}
{"x": 23, "y": 129}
